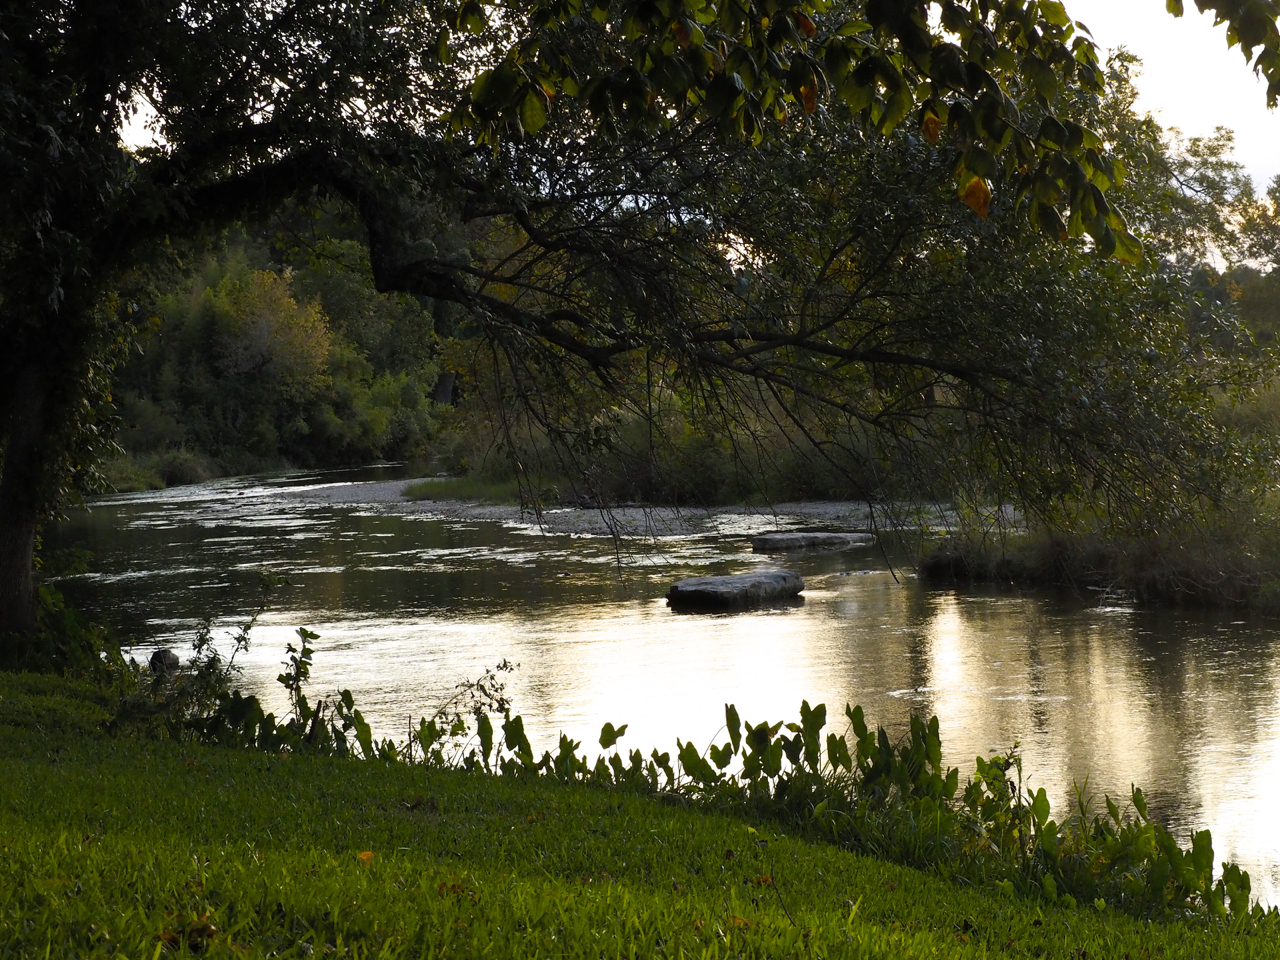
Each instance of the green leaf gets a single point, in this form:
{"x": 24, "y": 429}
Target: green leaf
{"x": 857, "y": 719}
{"x": 1106, "y": 241}
{"x": 663, "y": 762}
{"x": 896, "y": 109}
{"x": 471, "y": 17}
{"x": 758, "y": 737}
{"x": 1052, "y": 133}
{"x": 933, "y": 744}
{"x": 533, "y": 112}
{"x": 812, "y": 720}
{"x": 1054, "y": 13}
{"x": 793, "y": 748}
{"x": 1047, "y": 190}
{"x": 1049, "y": 221}
{"x": 856, "y": 95}
{"x": 1113, "y": 811}
{"x": 1128, "y": 248}
{"x": 1041, "y": 76}
{"x": 721, "y": 756}
{"x": 1040, "y": 807}
{"x": 1140, "y": 802}
{"x": 484, "y": 728}
{"x": 695, "y": 765}
{"x": 1252, "y": 28}
{"x": 734, "y": 724}
{"x": 1202, "y": 854}
{"x": 515, "y": 739}
{"x": 609, "y": 734}
{"x": 1174, "y": 7}
{"x": 980, "y": 162}
{"x": 364, "y": 736}
{"x": 838, "y": 753}
{"x": 442, "y": 50}
{"x": 852, "y": 27}
{"x": 771, "y": 759}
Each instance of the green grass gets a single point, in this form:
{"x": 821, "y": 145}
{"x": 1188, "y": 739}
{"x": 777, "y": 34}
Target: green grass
{"x": 113, "y": 847}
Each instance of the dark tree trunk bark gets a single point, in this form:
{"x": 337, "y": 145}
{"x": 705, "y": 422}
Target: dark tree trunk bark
{"x": 17, "y": 576}
{"x": 20, "y": 504}
{"x": 445, "y": 391}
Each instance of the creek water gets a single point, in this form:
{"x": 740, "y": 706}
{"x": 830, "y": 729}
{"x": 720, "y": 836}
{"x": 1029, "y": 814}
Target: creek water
{"x": 410, "y": 599}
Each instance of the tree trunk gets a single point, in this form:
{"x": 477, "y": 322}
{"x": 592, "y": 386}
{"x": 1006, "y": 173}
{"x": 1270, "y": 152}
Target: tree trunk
{"x": 20, "y": 503}
{"x": 445, "y": 391}
{"x": 17, "y": 576}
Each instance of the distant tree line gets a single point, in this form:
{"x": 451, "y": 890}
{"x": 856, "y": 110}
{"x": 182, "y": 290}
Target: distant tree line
{"x": 271, "y": 348}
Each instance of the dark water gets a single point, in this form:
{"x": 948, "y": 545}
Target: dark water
{"x": 1186, "y": 705}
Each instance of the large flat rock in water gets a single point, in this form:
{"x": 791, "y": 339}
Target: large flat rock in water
{"x": 784, "y": 542}
{"x": 737, "y": 591}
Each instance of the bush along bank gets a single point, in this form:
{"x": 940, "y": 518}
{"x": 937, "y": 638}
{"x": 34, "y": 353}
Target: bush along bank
{"x": 858, "y": 789}
{"x": 1217, "y": 567}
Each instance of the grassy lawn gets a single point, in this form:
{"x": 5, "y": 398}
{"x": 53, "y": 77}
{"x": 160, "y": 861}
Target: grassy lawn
{"x": 114, "y": 847}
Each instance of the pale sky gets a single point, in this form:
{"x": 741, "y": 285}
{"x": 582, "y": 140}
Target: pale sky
{"x": 1190, "y": 79}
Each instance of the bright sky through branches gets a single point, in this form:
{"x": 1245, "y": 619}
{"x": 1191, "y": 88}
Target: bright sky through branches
{"x": 1190, "y": 78}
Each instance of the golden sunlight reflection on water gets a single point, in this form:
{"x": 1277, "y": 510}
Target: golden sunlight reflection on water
{"x": 1080, "y": 698}
{"x": 1185, "y": 705}
{"x": 1071, "y": 688}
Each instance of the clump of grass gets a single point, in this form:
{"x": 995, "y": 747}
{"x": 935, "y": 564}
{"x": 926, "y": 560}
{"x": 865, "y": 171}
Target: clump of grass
{"x": 49, "y": 705}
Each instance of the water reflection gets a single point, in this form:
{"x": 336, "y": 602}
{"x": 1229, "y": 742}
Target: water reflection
{"x": 408, "y": 604}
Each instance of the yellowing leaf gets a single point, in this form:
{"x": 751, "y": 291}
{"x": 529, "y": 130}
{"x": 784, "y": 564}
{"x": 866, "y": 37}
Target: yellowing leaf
{"x": 977, "y": 197}
{"x": 931, "y": 126}
{"x": 809, "y": 97}
{"x": 1128, "y": 247}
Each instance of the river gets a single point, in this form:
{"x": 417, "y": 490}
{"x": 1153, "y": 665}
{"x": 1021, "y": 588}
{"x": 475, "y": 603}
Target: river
{"x": 411, "y": 598}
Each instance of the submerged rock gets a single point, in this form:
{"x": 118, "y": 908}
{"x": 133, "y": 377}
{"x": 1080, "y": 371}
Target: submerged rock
{"x": 164, "y": 662}
{"x": 736, "y": 591}
{"x": 784, "y": 542}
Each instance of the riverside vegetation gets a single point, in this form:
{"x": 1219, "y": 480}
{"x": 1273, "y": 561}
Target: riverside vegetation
{"x": 148, "y": 815}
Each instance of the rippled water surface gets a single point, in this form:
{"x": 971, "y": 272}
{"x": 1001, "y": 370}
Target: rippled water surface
{"x": 408, "y": 602}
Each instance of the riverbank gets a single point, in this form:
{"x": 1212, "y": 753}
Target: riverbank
{"x": 412, "y": 498}
{"x": 1223, "y": 562}
{"x": 117, "y": 847}
{"x": 1202, "y": 565}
